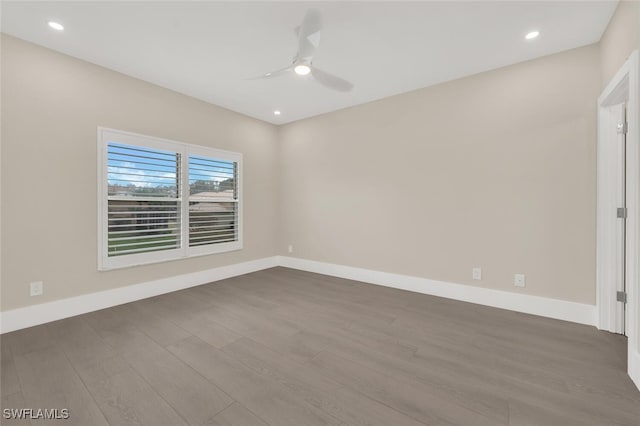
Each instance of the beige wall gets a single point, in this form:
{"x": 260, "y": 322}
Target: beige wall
{"x": 51, "y": 107}
{"x": 495, "y": 170}
{"x": 621, "y": 37}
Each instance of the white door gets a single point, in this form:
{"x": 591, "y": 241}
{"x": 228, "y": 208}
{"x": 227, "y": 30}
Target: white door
{"x": 612, "y": 223}
{"x": 619, "y": 112}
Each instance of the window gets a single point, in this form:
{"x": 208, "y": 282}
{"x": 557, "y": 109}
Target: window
{"x": 163, "y": 200}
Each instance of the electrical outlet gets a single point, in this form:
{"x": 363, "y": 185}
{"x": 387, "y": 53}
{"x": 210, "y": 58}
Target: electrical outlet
{"x": 290, "y": 248}
{"x": 518, "y": 280}
{"x": 36, "y": 288}
{"x": 476, "y": 273}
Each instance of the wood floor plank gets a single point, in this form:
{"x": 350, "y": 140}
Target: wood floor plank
{"x": 190, "y": 394}
{"x": 13, "y": 401}
{"x": 465, "y": 371}
{"x": 547, "y": 398}
{"x": 525, "y": 414}
{"x": 448, "y": 384}
{"x": 211, "y": 332}
{"x": 529, "y": 363}
{"x": 282, "y": 369}
{"x": 535, "y": 365}
{"x": 243, "y": 319}
{"x": 162, "y": 331}
{"x": 49, "y": 381}
{"x": 105, "y": 319}
{"x": 28, "y": 340}
{"x": 8, "y": 372}
{"x": 266, "y": 398}
{"x": 237, "y": 415}
{"x": 126, "y": 399}
{"x": 537, "y": 334}
{"x": 420, "y": 402}
{"x": 315, "y": 388}
{"x": 276, "y": 333}
{"x": 288, "y": 347}
{"x": 91, "y": 357}
{"x": 437, "y": 349}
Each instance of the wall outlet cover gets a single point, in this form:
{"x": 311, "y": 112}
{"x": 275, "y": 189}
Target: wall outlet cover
{"x": 36, "y": 288}
{"x": 476, "y": 273}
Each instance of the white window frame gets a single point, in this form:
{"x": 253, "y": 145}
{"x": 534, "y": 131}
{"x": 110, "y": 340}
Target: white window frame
{"x": 106, "y": 135}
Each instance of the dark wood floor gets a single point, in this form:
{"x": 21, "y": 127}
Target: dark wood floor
{"x": 284, "y": 347}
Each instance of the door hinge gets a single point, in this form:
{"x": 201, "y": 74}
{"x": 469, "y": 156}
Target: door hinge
{"x": 623, "y": 128}
{"x": 621, "y": 296}
{"x": 622, "y": 212}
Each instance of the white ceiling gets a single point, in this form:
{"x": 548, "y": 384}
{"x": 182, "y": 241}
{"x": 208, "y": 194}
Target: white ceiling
{"x": 209, "y": 50}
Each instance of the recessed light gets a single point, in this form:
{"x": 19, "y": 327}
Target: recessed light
{"x": 302, "y": 69}
{"x": 276, "y": 112}
{"x": 56, "y": 25}
{"x": 532, "y": 35}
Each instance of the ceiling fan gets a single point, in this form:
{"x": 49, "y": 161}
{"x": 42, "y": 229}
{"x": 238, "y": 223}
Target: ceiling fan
{"x": 308, "y": 41}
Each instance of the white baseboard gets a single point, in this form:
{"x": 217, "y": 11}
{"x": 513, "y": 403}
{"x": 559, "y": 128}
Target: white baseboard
{"x": 29, "y": 316}
{"x": 633, "y": 366}
{"x": 542, "y": 306}
{"x": 52, "y": 311}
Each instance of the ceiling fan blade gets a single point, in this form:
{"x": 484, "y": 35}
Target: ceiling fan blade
{"x": 330, "y": 80}
{"x": 309, "y": 35}
{"x": 273, "y": 74}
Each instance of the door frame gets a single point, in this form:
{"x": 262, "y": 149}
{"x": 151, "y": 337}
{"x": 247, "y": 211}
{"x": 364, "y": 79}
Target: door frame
{"x": 623, "y": 87}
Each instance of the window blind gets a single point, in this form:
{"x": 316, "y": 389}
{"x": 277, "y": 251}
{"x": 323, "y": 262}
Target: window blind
{"x": 213, "y": 201}
{"x": 143, "y": 199}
